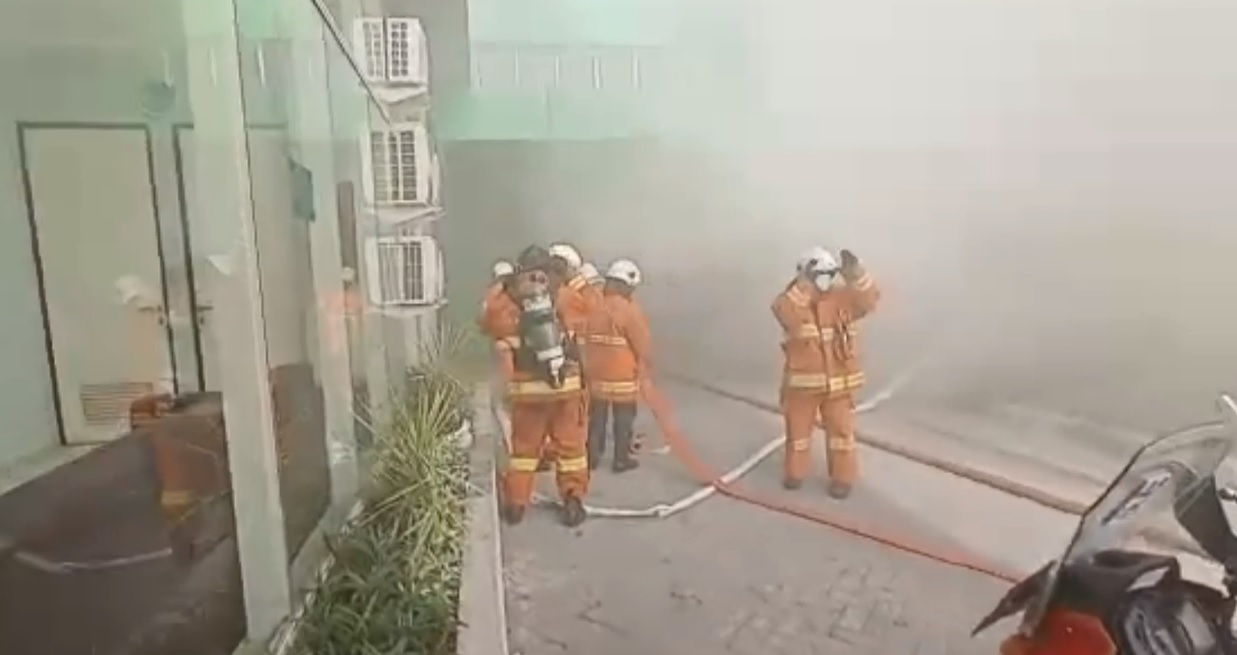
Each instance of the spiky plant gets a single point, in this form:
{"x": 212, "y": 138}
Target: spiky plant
{"x": 393, "y": 588}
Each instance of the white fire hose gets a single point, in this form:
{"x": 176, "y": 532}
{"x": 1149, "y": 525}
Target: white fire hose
{"x": 663, "y": 510}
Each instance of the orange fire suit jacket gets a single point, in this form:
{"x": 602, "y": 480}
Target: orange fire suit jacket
{"x": 820, "y": 338}
{"x": 492, "y": 293}
{"x": 580, "y": 299}
{"x": 616, "y": 349}
{"x": 501, "y": 321}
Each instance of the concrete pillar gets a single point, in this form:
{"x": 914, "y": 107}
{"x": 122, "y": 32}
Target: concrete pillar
{"x": 228, "y": 244}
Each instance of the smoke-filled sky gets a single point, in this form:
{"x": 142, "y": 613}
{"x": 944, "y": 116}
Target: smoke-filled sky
{"x": 1046, "y": 189}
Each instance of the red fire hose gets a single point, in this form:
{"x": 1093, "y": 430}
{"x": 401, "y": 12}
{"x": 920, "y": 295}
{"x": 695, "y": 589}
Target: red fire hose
{"x": 683, "y": 452}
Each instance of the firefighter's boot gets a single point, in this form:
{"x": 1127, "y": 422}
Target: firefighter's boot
{"x": 513, "y": 514}
{"x": 624, "y": 461}
{"x": 839, "y": 490}
{"x": 573, "y": 512}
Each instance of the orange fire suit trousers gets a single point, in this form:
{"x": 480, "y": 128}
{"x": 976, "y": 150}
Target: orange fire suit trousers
{"x": 800, "y": 410}
{"x": 563, "y": 421}
{"x": 548, "y": 454}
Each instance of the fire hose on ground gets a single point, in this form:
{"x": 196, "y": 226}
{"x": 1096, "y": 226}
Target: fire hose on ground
{"x": 724, "y": 483}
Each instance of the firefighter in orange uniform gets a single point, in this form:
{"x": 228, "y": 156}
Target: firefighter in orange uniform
{"x": 501, "y": 275}
{"x": 575, "y": 292}
{"x": 616, "y": 353}
{"x": 818, "y": 312}
{"x": 532, "y": 329}
{"x": 592, "y": 276}
{"x": 575, "y": 296}
{"x": 593, "y": 284}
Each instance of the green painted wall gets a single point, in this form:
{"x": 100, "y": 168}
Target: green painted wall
{"x": 600, "y": 70}
{"x": 581, "y": 22}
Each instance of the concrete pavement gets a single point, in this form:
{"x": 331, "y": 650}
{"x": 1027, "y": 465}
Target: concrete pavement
{"x": 728, "y": 577}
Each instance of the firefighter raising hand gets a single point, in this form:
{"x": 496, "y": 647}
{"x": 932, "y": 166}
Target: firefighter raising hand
{"x": 849, "y": 261}
{"x": 546, "y": 391}
{"x": 818, "y": 314}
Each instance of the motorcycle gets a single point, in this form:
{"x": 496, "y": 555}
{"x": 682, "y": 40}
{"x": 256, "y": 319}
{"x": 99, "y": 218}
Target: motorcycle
{"x": 1119, "y": 588}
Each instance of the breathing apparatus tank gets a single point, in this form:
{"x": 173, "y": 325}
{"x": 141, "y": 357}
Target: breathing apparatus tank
{"x": 542, "y": 350}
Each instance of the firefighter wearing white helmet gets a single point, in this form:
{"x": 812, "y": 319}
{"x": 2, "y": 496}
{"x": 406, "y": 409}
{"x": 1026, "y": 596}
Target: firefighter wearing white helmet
{"x": 568, "y": 254}
{"x": 819, "y": 266}
{"x": 577, "y": 299}
{"x": 591, "y": 274}
{"x": 616, "y": 355}
{"x": 568, "y": 269}
{"x": 502, "y": 268}
{"x": 501, "y": 274}
{"x": 818, "y": 313}
{"x": 626, "y": 271}
{"x": 533, "y": 334}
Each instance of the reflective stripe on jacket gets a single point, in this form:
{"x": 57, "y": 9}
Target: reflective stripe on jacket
{"x": 573, "y": 303}
{"x": 616, "y": 349}
{"x": 501, "y": 320}
{"x": 820, "y": 336}
{"x": 492, "y": 293}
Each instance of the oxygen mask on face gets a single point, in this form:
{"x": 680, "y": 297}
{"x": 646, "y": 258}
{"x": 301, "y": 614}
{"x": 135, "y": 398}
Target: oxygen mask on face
{"x": 825, "y": 280}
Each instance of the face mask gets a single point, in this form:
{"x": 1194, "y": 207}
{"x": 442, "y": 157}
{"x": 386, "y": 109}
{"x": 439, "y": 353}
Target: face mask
{"x": 824, "y": 281}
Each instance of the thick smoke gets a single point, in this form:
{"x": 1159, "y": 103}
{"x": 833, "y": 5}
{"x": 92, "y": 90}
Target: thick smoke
{"x": 1046, "y": 189}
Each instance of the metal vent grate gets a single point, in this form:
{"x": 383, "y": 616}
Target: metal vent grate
{"x": 108, "y": 403}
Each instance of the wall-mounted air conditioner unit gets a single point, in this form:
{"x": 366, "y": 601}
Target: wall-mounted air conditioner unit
{"x": 404, "y": 271}
{"x": 398, "y": 166}
{"x": 435, "y": 195}
{"x": 392, "y": 50}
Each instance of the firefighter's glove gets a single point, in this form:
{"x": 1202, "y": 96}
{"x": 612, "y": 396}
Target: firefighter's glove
{"x": 851, "y": 268}
{"x": 571, "y": 349}
{"x": 849, "y": 260}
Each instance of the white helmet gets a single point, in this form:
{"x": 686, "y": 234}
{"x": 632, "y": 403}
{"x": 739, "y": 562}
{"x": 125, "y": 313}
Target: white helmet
{"x": 590, "y": 272}
{"x": 625, "y": 270}
{"x": 502, "y": 268}
{"x": 816, "y": 260}
{"x": 567, "y": 253}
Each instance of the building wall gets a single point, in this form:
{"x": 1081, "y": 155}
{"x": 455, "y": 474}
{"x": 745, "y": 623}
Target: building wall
{"x": 53, "y": 92}
{"x": 446, "y": 28}
{"x": 608, "y": 197}
{"x": 663, "y": 69}
{"x": 75, "y": 86}
{"x": 277, "y": 461}
{"x": 416, "y": 329}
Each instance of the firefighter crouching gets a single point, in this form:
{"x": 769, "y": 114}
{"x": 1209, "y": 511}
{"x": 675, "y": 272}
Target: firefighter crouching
{"x": 616, "y": 353}
{"x": 546, "y": 394}
{"x": 818, "y": 312}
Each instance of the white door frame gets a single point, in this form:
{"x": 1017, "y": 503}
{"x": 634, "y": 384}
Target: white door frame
{"x": 31, "y": 215}
{"x": 200, "y": 309}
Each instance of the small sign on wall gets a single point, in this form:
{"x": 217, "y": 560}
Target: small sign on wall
{"x": 302, "y": 180}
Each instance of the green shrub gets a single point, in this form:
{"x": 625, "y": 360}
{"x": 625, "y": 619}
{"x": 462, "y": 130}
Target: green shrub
{"x": 393, "y": 588}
